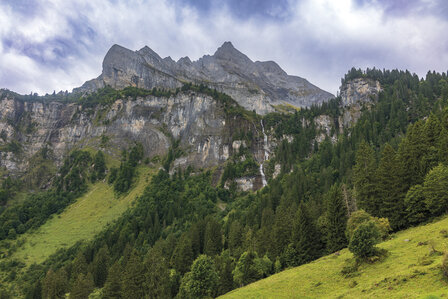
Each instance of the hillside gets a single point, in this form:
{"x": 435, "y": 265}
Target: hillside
{"x": 410, "y": 270}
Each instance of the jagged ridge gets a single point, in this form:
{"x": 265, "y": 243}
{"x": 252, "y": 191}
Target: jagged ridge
{"x": 254, "y": 85}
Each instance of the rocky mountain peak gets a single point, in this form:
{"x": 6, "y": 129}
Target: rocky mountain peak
{"x": 258, "y": 86}
{"x": 228, "y": 52}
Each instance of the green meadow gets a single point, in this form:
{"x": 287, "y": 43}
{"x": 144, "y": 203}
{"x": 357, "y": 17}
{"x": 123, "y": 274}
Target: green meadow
{"x": 411, "y": 269}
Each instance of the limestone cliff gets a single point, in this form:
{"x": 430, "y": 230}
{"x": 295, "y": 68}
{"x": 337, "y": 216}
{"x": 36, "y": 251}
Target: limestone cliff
{"x": 198, "y": 121}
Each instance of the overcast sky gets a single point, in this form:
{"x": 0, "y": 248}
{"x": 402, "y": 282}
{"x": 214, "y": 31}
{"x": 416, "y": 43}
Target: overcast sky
{"x": 48, "y": 45}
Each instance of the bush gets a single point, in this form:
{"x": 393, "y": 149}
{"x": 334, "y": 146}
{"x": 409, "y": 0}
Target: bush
{"x": 359, "y": 217}
{"x": 363, "y": 241}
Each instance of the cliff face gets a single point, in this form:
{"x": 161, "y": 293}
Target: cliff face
{"x": 254, "y": 85}
{"x": 355, "y": 94}
{"x": 197, "y": 121}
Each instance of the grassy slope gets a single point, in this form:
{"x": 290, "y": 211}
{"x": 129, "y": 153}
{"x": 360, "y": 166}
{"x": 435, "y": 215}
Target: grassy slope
{"x": 80, "y": 221}
{"x": 409, "y": 271}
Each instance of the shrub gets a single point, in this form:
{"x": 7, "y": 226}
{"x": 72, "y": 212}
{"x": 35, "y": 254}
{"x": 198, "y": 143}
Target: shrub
{"x": 363, "y": 240}
{"x": 359, "y": 217}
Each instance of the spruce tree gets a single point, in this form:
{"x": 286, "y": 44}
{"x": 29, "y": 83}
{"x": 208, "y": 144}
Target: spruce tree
{"x": 157, "y": 277}
{"x": 391, "y": 188}
{"x": 305, "y": 236}
{"x": 133, "y": 277}
{"x": 100, "y": 266}
{"x": 112, "y": 287}
{"x": 336, "y": 219}
{"x": 364, "y": 179}
{"x": 82, "y": 287}
{"x": 435, "y": 190}
{"x": 183, "y": 255}
{"x": 212, "y": 238}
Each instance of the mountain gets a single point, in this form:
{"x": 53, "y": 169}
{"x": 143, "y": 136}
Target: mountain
{"x": 256, "y": 85}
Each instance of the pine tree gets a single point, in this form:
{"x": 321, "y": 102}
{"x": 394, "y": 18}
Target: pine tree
{"x": 391, "y": 188}
{"x": 305, "y": 237}
{"x": 133, "y": 277}
{"x": 112, "y": 287}
{"x": 336, "y": 220}
{"x": 364, "y": 179}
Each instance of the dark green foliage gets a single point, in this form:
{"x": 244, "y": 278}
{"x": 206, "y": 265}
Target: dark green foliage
{"x": 416, "y": 210}
{"x": 112, "y": 287}
{"x": 133, "y": 277}
{"x": 201, "y": 281}
{"x": 391, "y": 188}
{"x": 157, "y": 277}
{"x": 124, "y": 176}
{"x": 82, "y": 287}
{"x": 212, "y": 238}
{"x": 364, "y": 238}
{"x": 336, "y": 220}
{"x": 246, "y": 269}
{"x": 435, "y": 190}
{"x": 306, "y": 238}
{"x": 99, "y": 167}
{"x": 182, "y": 255}
{"x": 100, "y": 266}
{"x": 55, "y": 284}
{"x": 364, "y": 179}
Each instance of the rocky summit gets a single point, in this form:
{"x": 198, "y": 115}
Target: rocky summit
{"x": 258, "y": 86}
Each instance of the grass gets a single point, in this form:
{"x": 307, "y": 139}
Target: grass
{"x": 80, "y": 221}
{"x": 410, "y": 270}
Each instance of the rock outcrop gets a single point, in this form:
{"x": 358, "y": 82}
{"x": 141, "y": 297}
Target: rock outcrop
{"x": 355, "y": 94}
{"x": 254, "y": 85}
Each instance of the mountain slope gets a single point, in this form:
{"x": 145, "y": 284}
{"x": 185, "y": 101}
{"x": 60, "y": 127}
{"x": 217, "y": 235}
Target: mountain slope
{"x": 409, "y": 271}
{"x": 254, "y": 85}
{"x": 80, "y": 221}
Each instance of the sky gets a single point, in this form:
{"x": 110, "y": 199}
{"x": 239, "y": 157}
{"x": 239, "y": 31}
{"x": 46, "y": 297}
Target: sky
{"x": 52, "y": 45}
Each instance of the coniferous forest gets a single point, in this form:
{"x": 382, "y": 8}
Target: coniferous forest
{"x": 188, "y": 236}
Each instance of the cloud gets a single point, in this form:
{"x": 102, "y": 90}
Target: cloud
{"x": 57, "y": 45}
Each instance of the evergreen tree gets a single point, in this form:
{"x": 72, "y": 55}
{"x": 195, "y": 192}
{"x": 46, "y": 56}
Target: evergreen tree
{"x": 82, "y": 287}
{"x": 99, "y": 167}
{"x": 364, "y": 179}
{"x": 305, "y": 237}
{"x": 391, "y": 188}
{"x": 336, "y": 220}
{"x": 112, "y": 287}
{"x": 246, "y": 270}
{"x": 212, "y": 238}
{"x": 157, "y": 282}
{"x": 183, "y": 255}
{"x": 224, "y": 267}
{"x": 235, "y": 238}
{"x": 100, "y": 266}
{"x": 55, "y": 284}
{"x": 133, "y": 277}
{"x": 416, "y": 210}
{"x": 435, "y": 190}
